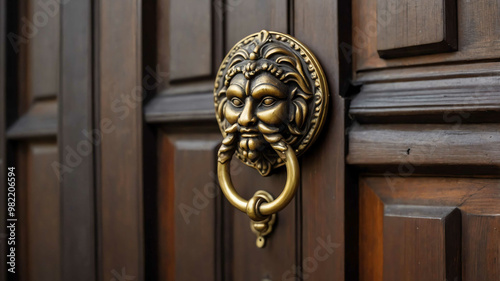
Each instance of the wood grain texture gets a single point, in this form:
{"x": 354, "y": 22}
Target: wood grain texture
{"x": 76, "y": 134}
{"x": 424, "y": 27}
{"x": 481, "y": 247}
{"x": 120, "y": 183}
{"x": 43, "y": 50}
{"x": 417, "y": 145}
{"x": 371, "y": 234}
{"x": 194, "y": 192}
{"x": 410, "y": 202}
{"x": 246, "y": 17}
{"x": 166, "y": 209}
{"x": 430, "y": 73}
{"x": 481, "y": 237}
{"x": 43, "y": 217}
{"x": 457, "y": 99}
{"x": 190, "y": 34}
{"x": 177, "y": 108}
{"x": 323, "y": 171}
{"x": 421, "y": 243}
{"x": 162, "y": 40}
{"x": 427, "y": 191}
{"x": 475, "y": 41}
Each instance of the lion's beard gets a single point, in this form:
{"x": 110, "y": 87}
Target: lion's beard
{"x": 253, "y": 150}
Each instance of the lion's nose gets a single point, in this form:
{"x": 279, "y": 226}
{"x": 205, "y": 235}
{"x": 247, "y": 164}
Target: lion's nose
{"x": 247, "y": 118}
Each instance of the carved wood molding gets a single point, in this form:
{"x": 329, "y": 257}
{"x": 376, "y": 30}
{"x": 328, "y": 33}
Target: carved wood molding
{"x": 429, "y": 94}
{"x": 410, "y": 148}
{"x": 39, "y": 121}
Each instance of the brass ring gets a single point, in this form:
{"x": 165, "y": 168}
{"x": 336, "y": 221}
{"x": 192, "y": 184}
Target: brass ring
{"x": 265, "y": 208}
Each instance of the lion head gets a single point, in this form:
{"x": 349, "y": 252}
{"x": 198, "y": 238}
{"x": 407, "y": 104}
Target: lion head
{"x": 264, "y": 97}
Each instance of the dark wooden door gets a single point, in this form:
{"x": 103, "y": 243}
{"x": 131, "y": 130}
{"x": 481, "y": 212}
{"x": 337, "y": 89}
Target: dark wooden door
{"x": 426, "y": 139}
{"x": 201, "y": 236}
{"x": 108, "y": 117}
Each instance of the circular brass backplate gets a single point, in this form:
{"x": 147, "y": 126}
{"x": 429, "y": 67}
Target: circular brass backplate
{"x": 269, "y": 89}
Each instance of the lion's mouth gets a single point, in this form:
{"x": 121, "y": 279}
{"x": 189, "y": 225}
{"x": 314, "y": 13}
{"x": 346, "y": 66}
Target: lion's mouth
{"x": 250, "y": 135}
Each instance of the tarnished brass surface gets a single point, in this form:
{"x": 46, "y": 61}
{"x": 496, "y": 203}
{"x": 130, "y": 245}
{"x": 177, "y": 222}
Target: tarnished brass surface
{"x": 265, "y": 209}
{"x": 271, "y": 100}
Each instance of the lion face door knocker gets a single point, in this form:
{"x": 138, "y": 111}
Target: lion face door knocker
{"x": 271, "y": 99}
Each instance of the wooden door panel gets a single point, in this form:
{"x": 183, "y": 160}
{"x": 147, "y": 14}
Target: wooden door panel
{"x": 183, "y": 103}
{"x": 477, "y": 31}
{"x": 43, "y": 51}
{"x": 188, "y": 191}
{"x": 208, "y": 229}
{"x": 481, "y": 234}
{"x": 42, "y": 215}
{"x": 425, "y": 230}
{"x": 312, "y": 221}
{"x": 190, "y": 33}
{"x": 33, "y": 136}
{"x": 246, "y": 17}
{"x": 421, "y": 243}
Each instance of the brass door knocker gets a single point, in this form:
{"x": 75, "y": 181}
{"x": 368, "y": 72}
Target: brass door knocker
{"x": 271, "y": 99}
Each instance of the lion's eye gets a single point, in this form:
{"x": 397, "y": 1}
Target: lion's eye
{"x": 236, "y": 102}
{"x": 268, "y": 101}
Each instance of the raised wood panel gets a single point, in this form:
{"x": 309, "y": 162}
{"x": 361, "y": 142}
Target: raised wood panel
{"x": 188, "y": 203}
{"x": 190, "y": 37}
{"x": 430, "y": 227}
{"x": 246, "y": 17}
{"x": 43, "y": 49}
{"x": 42, "y": 220}
{"x": 423, "y": 27}
{"x": 481, "y": 246}
{"x": 195, "y": 220}
{"x": 421, "y": 243}
{"x": 477, "y": 40}
{"x": 460, "y": 95}
{"x": 481, "y": 238}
